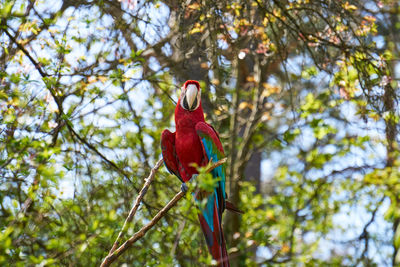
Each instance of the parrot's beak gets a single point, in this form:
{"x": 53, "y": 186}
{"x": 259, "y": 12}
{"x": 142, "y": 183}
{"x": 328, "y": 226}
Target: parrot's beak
{"x": 190, "y": 100}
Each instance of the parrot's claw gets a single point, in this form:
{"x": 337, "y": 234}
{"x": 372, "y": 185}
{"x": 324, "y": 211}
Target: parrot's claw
{"x": 184, "y": 188}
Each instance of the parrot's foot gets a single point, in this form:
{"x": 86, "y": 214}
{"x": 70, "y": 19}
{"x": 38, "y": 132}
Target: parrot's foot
{"x": 184, "y": 188}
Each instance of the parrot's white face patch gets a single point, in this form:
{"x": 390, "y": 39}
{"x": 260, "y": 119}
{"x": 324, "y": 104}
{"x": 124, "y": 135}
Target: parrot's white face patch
{"x": 190, "y": 97}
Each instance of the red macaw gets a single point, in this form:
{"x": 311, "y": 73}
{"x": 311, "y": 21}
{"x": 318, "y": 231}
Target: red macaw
{"x": 197, "y": 142}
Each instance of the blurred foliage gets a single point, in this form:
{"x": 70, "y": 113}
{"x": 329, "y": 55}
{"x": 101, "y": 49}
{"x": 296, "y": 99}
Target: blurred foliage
{"x": 86, "y": 87}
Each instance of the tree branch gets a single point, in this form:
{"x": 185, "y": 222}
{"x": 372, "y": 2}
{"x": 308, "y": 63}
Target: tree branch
{"x": 95, "y": 150}
{"x": 115, "y": 253}
{"x": 22, "y": 48}
{"x": 139, "y": 234}
{"x": 135, "y": 207}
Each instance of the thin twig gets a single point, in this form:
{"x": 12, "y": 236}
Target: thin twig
{"x": 95, "y": 150}
{"x": 31, "y": 59}
{"x": 139, "y": 234}
{"x": 178, "y": 237}
{"x": 135, "y": 207}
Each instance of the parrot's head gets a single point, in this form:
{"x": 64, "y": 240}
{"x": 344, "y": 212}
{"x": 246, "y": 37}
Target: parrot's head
{"x": 191, "y": 95}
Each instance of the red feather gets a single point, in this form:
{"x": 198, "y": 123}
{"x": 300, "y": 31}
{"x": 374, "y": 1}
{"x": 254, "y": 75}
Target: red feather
{"x": 180, "y": 151}
{"x": 169, "y": 153}
{"x": 211, "y": 132}
{"x": 215, "y": 239}
{"x": 191, "y": 82}
{"x": 187, "y": 143}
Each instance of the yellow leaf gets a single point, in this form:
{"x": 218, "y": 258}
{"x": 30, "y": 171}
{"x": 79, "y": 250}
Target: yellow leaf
{"x": 270, "y": 89}
{"x": 370, "y": 19}
{"x": 204, "y": 65}
{"x": 270, "y": 215}
{"x": 285, "y": 248}
{"x": 244, "y": 105}
{"x": 197, "y": 28}
{"x": 250, "y": 78}
{"x": 215, "y": 81}
{"x": 349, "y": 7}
{"x": 194, "y": 6}
{"x": 103, "y": 79}
{"x": 266, "y": 116}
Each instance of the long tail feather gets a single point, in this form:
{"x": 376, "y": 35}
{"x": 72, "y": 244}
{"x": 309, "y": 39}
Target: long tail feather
{"x": 225, "y": 257}
{"x": 214, "y": 237}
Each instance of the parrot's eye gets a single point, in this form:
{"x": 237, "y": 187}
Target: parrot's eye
{"x": 190, "y": 97}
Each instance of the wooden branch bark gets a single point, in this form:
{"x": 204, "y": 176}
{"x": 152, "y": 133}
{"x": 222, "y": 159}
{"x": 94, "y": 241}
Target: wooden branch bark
{"x": 115, "y": 253}
{"x": 135, "y": 207}
{"x": 139, "y": 234}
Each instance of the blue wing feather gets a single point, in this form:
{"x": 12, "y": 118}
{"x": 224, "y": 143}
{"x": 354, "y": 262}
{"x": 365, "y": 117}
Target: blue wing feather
{"x": 211, "y": 215}
{"x": 216, "y": 155}
{"x": 213, "y": 151}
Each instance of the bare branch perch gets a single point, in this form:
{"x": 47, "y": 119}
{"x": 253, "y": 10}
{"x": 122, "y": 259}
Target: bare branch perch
{"x": 135, "y": 207}
{"x": 115, "y": 253}
{"x": 139, "y": 234}
{"x": 216, "y": 164}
